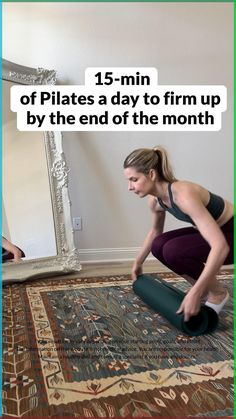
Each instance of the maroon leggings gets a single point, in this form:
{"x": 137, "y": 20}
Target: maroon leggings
{"x": 185, "y": 251}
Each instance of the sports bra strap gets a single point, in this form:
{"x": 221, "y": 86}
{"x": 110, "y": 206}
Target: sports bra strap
{"x": 170, "y": 193}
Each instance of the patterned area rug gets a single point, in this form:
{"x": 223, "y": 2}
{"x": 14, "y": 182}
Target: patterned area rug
{"x": 91, "y": 348}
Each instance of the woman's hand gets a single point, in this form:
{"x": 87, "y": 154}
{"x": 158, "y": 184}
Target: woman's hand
{"x": 136, "y": 271}
{"x": 15, "y": 251}
{"x": 17, "y": 254}
{"x": 190, "y": 305}
{"x": 10, "y": 247}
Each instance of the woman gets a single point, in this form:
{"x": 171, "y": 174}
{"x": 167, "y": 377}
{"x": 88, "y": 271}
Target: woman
{"x": 196, "y": 252}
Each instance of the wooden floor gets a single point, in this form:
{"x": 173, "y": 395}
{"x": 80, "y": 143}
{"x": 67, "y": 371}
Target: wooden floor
{"x": 92, "y": 269}
{"x": 115, "y": 268}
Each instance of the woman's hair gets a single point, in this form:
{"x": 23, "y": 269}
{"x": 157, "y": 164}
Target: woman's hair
{"x": 145, "y": 159}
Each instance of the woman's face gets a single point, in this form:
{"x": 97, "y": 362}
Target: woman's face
{"x": 138, "y": 183}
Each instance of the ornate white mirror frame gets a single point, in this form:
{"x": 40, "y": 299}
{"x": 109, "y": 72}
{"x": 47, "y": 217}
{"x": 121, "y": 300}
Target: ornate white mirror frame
{"x": 67, "y": 258}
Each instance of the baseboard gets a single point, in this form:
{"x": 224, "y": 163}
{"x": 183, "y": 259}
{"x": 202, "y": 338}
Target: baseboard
{"x": 118, "y": 254}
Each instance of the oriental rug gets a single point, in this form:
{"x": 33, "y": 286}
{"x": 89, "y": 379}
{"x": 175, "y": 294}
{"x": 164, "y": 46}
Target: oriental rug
{"x": 91, "y": 348}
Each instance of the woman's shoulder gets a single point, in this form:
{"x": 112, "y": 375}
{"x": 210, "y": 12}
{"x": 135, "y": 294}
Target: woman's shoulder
{"x": 183, "y": 190}
{"x": 187, "y": 186}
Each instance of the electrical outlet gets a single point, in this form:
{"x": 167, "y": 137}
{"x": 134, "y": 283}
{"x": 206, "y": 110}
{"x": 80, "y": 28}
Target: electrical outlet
{"x": 77, "y": 223}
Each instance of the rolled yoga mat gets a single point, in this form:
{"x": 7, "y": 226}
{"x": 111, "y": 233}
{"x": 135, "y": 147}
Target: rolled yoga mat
{"x": 166, "y": 299}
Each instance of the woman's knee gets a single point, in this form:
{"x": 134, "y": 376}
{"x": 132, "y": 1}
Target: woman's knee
{"x": 181, "y": 261}
{"x": 172, "y": 247}
{"x": 173, "y": 253}
{"x": 164, "y": 251}
{"x": 157, "y": 246}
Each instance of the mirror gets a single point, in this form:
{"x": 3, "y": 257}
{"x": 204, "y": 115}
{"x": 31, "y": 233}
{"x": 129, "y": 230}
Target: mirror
{"x": 36, "y": 205}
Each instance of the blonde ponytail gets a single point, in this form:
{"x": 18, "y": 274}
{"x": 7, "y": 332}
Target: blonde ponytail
{"x": 145, "y": 159}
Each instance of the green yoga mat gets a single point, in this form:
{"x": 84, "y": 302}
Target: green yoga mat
{"x": 166, "y": 299}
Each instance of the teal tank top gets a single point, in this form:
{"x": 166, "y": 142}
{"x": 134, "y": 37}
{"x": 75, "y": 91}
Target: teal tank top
{"x": 215, "y": 207}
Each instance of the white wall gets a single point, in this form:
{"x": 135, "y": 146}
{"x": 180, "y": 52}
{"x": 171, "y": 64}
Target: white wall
{"x": 189, "y": 43}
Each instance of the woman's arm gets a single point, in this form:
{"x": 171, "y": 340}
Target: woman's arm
{"x": 190, "y": 202}
{"x": 156, "y": 229}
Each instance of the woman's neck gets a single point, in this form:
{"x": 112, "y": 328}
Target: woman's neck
{"x": 160, "y": 190}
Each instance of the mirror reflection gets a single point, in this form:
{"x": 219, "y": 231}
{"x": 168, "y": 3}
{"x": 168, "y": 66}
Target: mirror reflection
{"x": 36, "y": 203}
{"x": 27, "y": 209}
